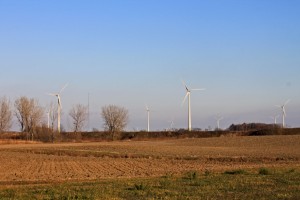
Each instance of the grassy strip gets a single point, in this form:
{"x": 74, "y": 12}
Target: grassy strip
{"x": 237, "y": 184}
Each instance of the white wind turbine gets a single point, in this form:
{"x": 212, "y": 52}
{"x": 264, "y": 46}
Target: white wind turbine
{"x": 275, "y": 118}
{"x": 188, "y": 94}
{"x": 171, "y": 124}
{"x": 283, "y": 112}
{"x": 218, "y": 119}
{"x": 148, "y": 118}
{"x": 59, "y": 107}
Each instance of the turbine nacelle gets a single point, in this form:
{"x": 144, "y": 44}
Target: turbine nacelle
{"x": 283, "y": 107}
{"x": 147, "y": 108}
{"x": 188, "y": 91}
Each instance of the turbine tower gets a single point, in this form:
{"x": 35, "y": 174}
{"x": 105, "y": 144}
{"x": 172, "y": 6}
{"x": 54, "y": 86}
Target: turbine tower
{"x": 188, "y": 94}
{"x": 59, "y": 107}
{"x": 48, "y": 116}
{"x": 148, "y": 116}
{"x": 283, "y": 112}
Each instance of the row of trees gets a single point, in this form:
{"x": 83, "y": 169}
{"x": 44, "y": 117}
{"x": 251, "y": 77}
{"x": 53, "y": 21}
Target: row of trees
{"x": 30, "y": 115}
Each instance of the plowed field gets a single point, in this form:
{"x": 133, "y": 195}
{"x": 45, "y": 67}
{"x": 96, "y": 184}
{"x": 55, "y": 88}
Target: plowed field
{"x": 43, "y": 163}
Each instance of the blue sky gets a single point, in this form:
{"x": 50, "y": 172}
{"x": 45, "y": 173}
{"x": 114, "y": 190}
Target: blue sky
{"x": 131, "y": 53}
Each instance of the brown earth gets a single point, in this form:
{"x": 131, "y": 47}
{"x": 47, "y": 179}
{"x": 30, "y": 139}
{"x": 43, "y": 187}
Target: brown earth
{"x": 43, "y": 163}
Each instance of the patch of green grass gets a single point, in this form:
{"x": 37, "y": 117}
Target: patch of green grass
{"x": 280, "y": 184}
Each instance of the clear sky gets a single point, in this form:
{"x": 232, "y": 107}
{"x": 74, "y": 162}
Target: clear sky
{"x": 134, "y": 52}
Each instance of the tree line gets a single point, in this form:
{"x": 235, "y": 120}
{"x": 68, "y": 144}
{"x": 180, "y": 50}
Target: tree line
{"x": 30, "y": 117}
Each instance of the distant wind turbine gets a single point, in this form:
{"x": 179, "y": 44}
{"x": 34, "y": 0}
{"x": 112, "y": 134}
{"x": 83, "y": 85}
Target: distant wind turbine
{"x": 218, "y": 119}
{"x": 283, "y": 112}
{"x": 171, "y": 124}
{"x": 48, "y": 116}
{"x": 148, "y": 118}
{"x": 188, "y": 94}
{"x": 59, "y": 107}
{"x": 275, "y": 118}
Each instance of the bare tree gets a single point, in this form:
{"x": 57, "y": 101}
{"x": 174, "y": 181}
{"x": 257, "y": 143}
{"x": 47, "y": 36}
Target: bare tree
{"x": 79, "y": 115}
{"x": 115, "y": 119}
{"x": 5, "y": 115}
{"x": 29, "y": 114}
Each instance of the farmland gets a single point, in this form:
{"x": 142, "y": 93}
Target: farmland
{"x": 25, "y": 165}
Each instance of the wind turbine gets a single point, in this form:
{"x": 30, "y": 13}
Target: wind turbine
{"x": 275, "y": 119}
{"x": 219, "y": 118}
{"x": 188, "y": 94}
{"x": 59, "y": 107}
{"x": 171, "y": 124}
{"x": 283, "y": 112}
{"x": 148, "y": 115}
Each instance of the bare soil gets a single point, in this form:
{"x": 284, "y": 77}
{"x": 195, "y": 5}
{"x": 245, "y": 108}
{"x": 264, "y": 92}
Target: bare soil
{"x": 47, "y": 163}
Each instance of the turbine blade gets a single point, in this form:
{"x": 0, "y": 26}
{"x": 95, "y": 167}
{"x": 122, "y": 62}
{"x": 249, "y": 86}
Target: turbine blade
{"x": 183, "y": 83}
{"x": 219, "y": 118}
{"x": 51, "y": 94}
{"x": 184, "y": 98}
{"x": 286, "y": 102}
{"x": 63, "y": 87}
{"x": 199, "y": 89}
